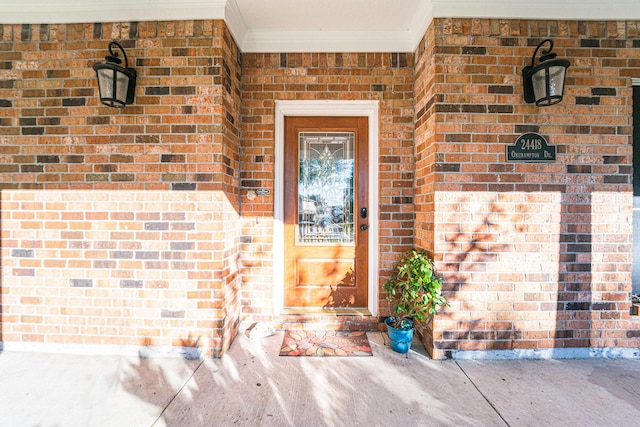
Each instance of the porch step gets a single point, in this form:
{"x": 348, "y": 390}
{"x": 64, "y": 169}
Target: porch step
{"x": 335, "y": 319}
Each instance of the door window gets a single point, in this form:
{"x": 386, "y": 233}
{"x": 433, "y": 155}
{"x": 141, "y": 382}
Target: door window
{"x": 325, "y": 189}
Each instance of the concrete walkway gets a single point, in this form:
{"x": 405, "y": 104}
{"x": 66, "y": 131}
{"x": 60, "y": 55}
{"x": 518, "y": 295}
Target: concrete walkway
{"x": 253, "y": 386}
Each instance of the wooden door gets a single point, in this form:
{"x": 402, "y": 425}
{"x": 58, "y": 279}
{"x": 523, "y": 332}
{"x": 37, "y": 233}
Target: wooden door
{"x": 326, "y": 212}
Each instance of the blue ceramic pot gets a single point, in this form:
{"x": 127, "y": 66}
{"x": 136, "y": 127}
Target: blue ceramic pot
{"x": 400, "y": 338}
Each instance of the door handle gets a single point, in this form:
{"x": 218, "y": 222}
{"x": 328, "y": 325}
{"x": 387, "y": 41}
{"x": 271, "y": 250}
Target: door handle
{"x": 363, "y": 213}
{"x": 364, "y": 227}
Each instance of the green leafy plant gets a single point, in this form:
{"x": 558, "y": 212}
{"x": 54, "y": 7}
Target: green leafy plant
{"x": 414, "y": 290}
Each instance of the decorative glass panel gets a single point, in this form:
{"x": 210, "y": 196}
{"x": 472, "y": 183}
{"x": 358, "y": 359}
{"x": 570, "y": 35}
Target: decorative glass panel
{"x": 325, "y": 188}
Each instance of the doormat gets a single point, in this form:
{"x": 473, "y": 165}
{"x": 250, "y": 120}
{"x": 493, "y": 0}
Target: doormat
{"x": 325, "y": 343}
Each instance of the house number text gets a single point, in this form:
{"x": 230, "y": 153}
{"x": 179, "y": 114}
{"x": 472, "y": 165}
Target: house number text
{"x": 531, "y": 147}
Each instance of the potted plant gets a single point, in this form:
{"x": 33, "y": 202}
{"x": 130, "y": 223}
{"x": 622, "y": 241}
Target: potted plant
{"x": 414, "y": 293}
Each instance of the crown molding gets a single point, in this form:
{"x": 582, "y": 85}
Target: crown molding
{"x": 323, "y": 41}
{"x": 421, "y": 21}
{"x": 233, "y": 19}
{"x": 74, "y": 11}
{"x": 540, "y": 9}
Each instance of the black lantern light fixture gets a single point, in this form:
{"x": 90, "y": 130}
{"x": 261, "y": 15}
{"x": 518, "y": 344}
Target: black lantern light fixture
{"x": 544, "y": 83}
{"x": 117, "y": 85}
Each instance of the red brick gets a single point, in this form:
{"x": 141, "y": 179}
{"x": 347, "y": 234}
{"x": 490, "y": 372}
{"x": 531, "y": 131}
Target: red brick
{"x": 496, "y": 229}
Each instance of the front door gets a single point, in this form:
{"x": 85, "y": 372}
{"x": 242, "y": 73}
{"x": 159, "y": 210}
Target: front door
{"x": 326, "y": 212}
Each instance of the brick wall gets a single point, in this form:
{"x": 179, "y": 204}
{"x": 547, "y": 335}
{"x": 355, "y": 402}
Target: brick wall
{"x": 266, "y": 78}
{"x": 424, "y": 140}
{"x": 120, "y": 227}
{"x": 536, "y": 257}
{"x": 130, "y": 227}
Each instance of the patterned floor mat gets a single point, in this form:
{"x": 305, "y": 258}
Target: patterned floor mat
{"x": 325, "y": 343}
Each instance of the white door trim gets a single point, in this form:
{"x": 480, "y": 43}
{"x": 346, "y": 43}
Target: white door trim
{"x": 367, "y": 109}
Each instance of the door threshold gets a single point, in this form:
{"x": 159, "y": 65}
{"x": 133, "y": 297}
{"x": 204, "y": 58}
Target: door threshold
{"x": 344, "y": 311}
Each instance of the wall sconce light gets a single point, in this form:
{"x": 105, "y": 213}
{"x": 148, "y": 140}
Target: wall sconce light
{"x": 544, "y": 83}
{"x": 117, "y": 85}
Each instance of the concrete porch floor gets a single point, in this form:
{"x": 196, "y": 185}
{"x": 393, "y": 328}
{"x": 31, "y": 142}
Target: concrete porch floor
{"x": 253, "y": 386}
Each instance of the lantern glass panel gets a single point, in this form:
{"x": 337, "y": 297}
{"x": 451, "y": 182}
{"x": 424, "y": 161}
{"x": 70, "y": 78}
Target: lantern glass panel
{"x": 113, "y": 87}
{"x": 122, "y": 86}
{"x": 556, "y": 80}
{"x": 551, "y": 94}
{"x": 105, "y": 82}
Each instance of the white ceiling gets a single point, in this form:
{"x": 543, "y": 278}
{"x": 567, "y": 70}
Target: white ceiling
{"x": 313, "y": 25}
{"x": 331, "y": 25}
{"x": 332, "y": 15}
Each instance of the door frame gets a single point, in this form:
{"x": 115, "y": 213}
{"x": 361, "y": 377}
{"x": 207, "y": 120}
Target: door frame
{"x": 367, "y": 109}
